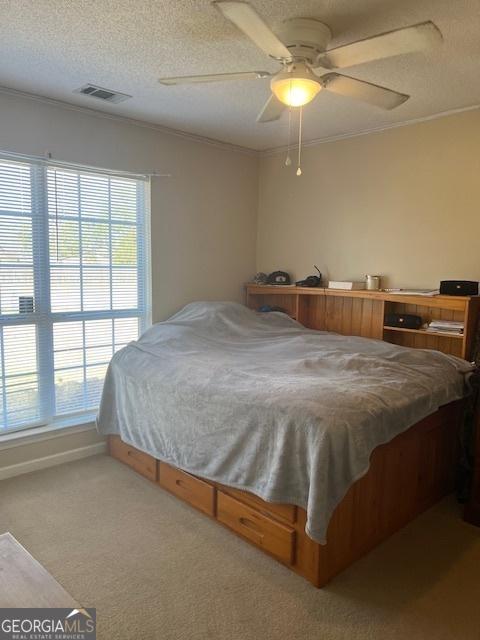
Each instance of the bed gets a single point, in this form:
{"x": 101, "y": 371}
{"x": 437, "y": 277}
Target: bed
{"x": 311, "y": 445}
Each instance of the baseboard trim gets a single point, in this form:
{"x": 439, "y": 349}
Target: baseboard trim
{"x": 51, "y": 461}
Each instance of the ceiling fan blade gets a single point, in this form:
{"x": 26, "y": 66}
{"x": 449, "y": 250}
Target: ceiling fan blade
{"x": 215, "y": 77}
{"x": 272, "y": 110}
{"x": 361, "y": 90}
{"x": 247, "y": 20}
{"x": 392, "y": 43}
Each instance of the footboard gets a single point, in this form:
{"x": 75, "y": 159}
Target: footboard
{"x": 406, "y": 476}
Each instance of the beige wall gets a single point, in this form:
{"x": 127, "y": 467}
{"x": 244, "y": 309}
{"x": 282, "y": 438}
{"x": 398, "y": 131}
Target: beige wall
{"x": 203, "y": 217}
{"x": 404, "y": 203}
{"x": 32, "y": 452}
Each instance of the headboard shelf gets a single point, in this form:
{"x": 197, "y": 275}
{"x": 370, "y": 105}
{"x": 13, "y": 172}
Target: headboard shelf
{"x": 362, "y": 313}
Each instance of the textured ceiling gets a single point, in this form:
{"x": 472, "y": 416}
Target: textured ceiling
{"x": 51, "y": 47}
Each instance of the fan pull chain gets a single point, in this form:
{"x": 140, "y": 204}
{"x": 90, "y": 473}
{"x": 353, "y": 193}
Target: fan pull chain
{"x": 299, "y": 169}
{"x": 288, "y": 160}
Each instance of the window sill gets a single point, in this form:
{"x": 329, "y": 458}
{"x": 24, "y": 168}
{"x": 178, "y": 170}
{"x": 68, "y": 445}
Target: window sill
{"x": 67, "y": 426}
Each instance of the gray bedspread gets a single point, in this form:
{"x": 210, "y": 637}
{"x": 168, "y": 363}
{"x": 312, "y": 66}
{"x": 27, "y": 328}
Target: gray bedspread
{"x": 258, "y": 402}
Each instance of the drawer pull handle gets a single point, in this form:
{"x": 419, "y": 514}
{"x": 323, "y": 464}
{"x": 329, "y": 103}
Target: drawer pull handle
{"x": 180, "y": 484}
{"x": 249, "y": 524}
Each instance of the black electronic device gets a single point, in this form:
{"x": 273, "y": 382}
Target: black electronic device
{"x": 311, "y": 281}
{"x": 459, "y": 287}
{"x": 279, "y": 277}
{"x": 405, "y": 320}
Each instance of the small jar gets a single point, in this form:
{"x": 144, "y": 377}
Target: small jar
{"x": 373, "y": 282}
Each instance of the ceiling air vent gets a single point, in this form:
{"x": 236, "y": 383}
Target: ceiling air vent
{"x": 107, "y": 95}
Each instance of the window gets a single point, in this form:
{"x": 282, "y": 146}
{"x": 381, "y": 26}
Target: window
{"x": 73, "y": 286}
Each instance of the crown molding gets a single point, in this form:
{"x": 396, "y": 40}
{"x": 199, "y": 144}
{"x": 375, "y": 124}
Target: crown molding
{"x": 226, "y": 146}
{"x": 366, "y": 132}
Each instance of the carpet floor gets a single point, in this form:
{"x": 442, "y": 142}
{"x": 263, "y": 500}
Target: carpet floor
{"x": 155, "y": 568}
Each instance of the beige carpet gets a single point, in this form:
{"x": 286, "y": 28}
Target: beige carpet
{"x": 155, "y": 568}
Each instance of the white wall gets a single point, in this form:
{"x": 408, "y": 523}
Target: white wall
{"x": 403, "y": 203}
{"x": 203, "y": 217}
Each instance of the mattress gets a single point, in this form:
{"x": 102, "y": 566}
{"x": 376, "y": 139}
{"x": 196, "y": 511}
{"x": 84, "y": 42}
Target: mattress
{"x": 256, "y": 401}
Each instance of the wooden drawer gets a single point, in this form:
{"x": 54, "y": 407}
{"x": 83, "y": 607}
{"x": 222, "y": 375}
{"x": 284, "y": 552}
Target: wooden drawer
{"x": 196, "y": 492}
{"x": 141, "y": 462}
{"x": 287, "y": 512}
{"x": 270, "y": 535}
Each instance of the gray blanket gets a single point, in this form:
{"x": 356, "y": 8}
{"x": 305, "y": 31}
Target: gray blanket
{"x": 258, "y": 402}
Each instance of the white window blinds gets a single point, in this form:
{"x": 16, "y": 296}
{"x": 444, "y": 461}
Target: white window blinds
{"x": 73, "y": 286}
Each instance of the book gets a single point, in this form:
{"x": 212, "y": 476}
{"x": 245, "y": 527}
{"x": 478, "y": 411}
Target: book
{"x": 414, "y": 292}
{"x": 446, "y": 326}
{"x": 455, "y": 332}
{"x": 346, "y": 285}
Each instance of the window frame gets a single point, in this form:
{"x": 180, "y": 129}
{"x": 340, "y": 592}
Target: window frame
{"x": 42, "y": 317}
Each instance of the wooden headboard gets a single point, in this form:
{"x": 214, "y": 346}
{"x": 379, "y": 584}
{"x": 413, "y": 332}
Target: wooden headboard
{"x": 362, "y": 313}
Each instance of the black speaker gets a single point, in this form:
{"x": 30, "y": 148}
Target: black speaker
{"x": 459, "y": 287}
{"x": 405, "y": 320}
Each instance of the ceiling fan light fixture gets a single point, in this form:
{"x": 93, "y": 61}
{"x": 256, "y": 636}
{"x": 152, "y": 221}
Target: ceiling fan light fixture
{"x": 296, "y": 87}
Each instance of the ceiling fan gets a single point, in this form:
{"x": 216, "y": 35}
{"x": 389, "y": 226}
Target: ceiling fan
{"x": 307, "y": 63}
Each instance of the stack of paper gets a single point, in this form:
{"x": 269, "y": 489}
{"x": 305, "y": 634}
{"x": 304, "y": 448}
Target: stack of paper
{"x": 415, "y": 292}
{"x": 446, "y": 326}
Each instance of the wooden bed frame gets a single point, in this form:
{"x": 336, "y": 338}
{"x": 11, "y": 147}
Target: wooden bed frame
{"x": 407, "y": 475}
